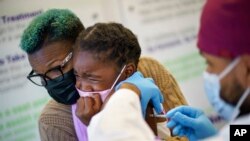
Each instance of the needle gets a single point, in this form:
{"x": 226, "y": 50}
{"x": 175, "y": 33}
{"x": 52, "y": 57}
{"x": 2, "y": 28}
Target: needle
{"x": 161, "y": 116}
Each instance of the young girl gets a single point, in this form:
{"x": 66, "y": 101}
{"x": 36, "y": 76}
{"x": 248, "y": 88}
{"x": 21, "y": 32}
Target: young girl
{"x": 104, "y": 55}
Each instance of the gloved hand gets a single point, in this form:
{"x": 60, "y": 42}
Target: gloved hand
{"x": 149, "y": 91}
{"x": 190, "y": 122}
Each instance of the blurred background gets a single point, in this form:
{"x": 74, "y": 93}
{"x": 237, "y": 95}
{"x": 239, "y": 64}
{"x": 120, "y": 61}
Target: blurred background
{"x": 166, "y": 30}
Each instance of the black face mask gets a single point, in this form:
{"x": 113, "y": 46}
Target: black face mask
{"x": 63, "y": 90}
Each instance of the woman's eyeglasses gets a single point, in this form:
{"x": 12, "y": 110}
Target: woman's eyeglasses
{"x": 41, "y": 79}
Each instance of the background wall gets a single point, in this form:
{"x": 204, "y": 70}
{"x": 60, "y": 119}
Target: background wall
{"x": 166, "y": 30}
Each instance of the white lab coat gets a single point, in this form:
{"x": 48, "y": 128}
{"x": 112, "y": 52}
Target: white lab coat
{"x": 120, "y": 120}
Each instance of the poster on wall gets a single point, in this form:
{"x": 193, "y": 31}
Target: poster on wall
{"x": 21, "y": 101}
{"x": 166, "y": 30}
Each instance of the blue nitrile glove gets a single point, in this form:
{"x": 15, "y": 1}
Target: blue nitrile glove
{"x": 149, "y": 91}
{"x": 190, "y": 122}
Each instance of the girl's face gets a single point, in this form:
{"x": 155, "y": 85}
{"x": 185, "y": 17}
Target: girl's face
{"x": 93, "y": 74}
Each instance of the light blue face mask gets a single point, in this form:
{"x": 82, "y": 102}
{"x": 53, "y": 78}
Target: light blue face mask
{"x": 212, "y": 90}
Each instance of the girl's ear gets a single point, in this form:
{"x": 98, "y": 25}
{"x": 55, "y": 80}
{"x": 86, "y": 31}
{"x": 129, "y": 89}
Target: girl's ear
{"x": 130, "y": 69}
